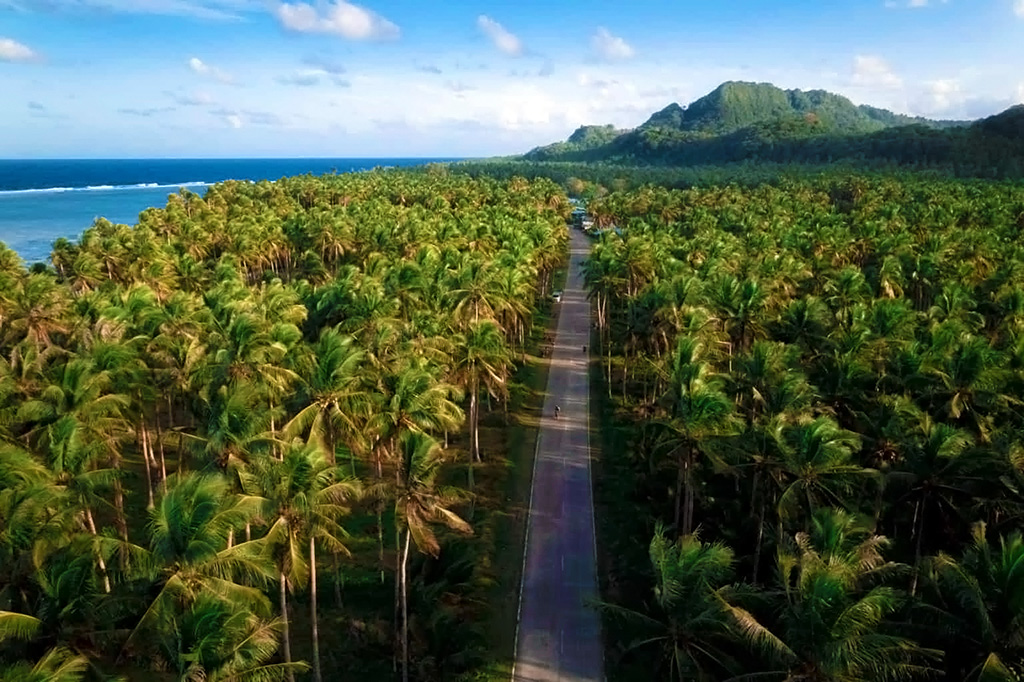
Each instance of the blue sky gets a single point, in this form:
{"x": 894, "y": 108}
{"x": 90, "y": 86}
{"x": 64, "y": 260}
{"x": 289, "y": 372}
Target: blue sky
{"x": 226, "y": 78}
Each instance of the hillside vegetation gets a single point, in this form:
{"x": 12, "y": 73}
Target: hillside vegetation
{"x": 748, "y": 122}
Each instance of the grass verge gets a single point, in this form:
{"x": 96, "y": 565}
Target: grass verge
{"x": 622, "y": 534}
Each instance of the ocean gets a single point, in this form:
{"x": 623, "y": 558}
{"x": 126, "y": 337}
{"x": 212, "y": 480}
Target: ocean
{"x": 41, "y": 201}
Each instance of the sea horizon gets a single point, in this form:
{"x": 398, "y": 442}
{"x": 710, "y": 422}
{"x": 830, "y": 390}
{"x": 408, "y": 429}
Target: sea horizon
{"x": 42, "y": 200}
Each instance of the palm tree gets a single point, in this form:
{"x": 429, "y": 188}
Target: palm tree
{"x": 690, "y": 622}
{"x": 188, "y": 554}
{"x": 337, "y": 395}
{"x": 78, "y": 423}
{"x": 936, "y": 475}
{"x": 700, "y": 412}
{"x": 216, "y": 640}
{"x": 302, "y": 497}
{"x": 57, "y": 665}
{"x": 817, "y": 468}
{"x": 968, "y": 385}
{"x": 481, "y": 359}
{"x": 835, "y": 622}
{"x": 980, "y": 603}
{"x": 420, "y": 502}
{"x": 414, "y": 400}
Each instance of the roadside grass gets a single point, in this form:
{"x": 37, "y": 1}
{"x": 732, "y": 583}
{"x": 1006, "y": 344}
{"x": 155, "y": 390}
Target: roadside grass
{"x": 622, "y": 535}
{"x": 508, "y": 518}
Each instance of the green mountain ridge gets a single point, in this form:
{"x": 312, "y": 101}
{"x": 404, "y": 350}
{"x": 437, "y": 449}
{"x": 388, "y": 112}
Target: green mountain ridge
{"x": 735, "y": 105}
{"x": 740, "y": 122}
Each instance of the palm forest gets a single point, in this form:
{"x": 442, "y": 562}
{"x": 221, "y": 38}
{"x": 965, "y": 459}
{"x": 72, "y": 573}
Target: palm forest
{"x": 282, "y": 431}
{"x": 816, "y": 467}
{"x": 253, "y": 436}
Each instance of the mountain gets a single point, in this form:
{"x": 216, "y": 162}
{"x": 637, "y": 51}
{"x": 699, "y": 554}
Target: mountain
{"x": 583, "y": 138}
{"x": 740, "y": 121}
{"x": 736, "y": 105}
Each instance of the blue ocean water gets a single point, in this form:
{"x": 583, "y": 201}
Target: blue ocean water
{"x": 41, "y": 201}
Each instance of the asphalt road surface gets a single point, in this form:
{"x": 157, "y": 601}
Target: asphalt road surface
{"x": 559, "y": 635}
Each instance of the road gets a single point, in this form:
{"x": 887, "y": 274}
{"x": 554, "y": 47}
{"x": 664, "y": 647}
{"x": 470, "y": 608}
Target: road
{"x": 559, "y": 636}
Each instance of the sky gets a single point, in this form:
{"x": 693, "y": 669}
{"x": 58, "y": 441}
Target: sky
{"x": 448, "y": 78}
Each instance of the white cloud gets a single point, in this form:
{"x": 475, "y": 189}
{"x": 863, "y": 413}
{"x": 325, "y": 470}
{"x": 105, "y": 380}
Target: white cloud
{"x": 945, "y": 93}
{"x": 311, "y": 77}
{"x": 1018, "y": 8}
{"x": 336, "y": 17}
{"x": 204, "y": 69}
{"x": 13, "y": 51}
{"x": 197, "y": 9}
{"x": 502, "y": 38}
{"x": 233, "y": 120}
{"x": 301, "y": 79}
{"x": 610, "y": 47}
{"x": 196, "y": 99}
{"x": 326, "y": 65}
{"x": 873, "y": 71}
{"x": 913, "y": 4}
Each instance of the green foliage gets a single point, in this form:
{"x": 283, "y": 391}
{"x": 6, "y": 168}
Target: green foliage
{"x": 861, "y": 338}
{"x": 190, "y": 406}
{"x": 758, "y": 122}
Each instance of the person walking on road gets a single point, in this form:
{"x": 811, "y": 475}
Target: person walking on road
{"x": 557, "y": 410}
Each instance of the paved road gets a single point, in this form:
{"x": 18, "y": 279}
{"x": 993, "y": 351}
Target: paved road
{"x": 559, "y": 636}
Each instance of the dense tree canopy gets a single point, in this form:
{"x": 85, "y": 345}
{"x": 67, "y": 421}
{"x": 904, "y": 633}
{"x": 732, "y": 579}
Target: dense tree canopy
{"x": 824, "y": 377}
{"x": 200, "y": 414}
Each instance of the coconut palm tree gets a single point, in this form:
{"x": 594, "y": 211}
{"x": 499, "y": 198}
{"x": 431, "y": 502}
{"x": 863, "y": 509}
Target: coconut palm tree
{"x": 835, "y": 621}
{"x": 420, "y": 503}
{"x": 936, "y": 473}
{"x": 57, "y": 665}
{"x": 216, "y": 640}
{"x": 700, "y": 411}
{"x": 188, "y": 554}
{"x": 339, "y": 401}
{"x": 979, "y": 601}
{"x": 817, "y": 469}
{"x": 481, "y": 361}
{"x": 689, "y": 623}
{"x": 301, "y": 497}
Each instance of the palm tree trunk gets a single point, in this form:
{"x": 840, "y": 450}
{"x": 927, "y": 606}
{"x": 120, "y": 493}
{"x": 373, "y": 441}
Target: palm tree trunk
{"x": 474, "y": 408}
{"x": 119, "y": 517}
{"x": 140, "y": 435}
{"x": 339, "y": 602}
{"x": 273, "y": 432}
{"x": 680, "y": 474}
{"x": 688, "y": 511}
{"x": 285, "y": 637}
{"x": 760, "y": 540}
{"x": 474, "y": 455}
{"x": 163, "y": 460}
{"x": 405, "y": 610}
{"x": 688, "y": 492}
{"x": 379, "y": 471}
{"x": 608, "y": 346}
{"x": 99, "y": 557}
{"x": 917, "y": 548}
{"x": 312, "y": 610}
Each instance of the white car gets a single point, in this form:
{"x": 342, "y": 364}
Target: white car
{"x": 557, "y": 295}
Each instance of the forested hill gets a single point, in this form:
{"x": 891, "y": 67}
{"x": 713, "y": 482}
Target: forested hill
{"x": 733, "y": 106}
{"x": 760, "y": 122}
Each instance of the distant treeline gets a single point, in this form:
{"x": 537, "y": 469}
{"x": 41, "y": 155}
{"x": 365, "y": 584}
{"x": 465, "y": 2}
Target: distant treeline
{"x": 597, "y": 179}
